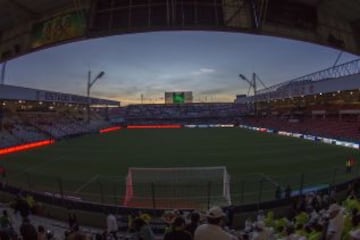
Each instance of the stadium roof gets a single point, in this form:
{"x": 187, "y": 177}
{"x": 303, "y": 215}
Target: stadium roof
{"x": 24, "y": 24}
{"x": 15, "y": 93}
{"x": 15, "y": 12}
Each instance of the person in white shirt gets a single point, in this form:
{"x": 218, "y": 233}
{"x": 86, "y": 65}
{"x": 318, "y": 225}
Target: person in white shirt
{"x": 336, "y": 222}
{"x": 248, "y": 225}
{"x": 111, "y": 225}
{"x": 261, "y": 216}
{"x": 213, "y": 228}
{"x": 261, "y": 232}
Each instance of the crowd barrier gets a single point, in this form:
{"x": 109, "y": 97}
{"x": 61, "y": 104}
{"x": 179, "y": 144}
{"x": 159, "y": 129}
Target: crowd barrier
{"x": 244, "y": 190}
{"x": 61, "y": 200}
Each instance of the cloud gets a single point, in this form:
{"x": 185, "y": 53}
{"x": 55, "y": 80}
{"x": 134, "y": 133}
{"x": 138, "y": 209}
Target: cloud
{"x": 207, "y": 70}
{"x": 117, "y": 92}
{"x": 214, "y": 91}
{"x": 202, "y": 71}
{"x": 224, "y": 88}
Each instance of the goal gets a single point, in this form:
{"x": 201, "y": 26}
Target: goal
{"x": 177, "y": 187}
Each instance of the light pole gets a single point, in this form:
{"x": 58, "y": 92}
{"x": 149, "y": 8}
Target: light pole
{"x": 3, "y": 70}
{"x": 253, "y": 85}
{"x": 90, "y": 83}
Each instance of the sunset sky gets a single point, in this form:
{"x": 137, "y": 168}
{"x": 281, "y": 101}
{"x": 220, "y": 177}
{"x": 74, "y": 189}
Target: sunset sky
{"x": 207, "y": 63}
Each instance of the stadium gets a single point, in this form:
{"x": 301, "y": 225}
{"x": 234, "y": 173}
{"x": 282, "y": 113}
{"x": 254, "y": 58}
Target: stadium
{"x": 275, "y": 148}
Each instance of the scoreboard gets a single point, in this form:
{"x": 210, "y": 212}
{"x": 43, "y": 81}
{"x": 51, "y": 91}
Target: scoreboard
{"x": 178, "y": 97}
{"x": 58, "y": 28}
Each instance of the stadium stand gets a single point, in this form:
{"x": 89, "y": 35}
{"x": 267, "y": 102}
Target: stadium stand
{"x": 333, "y": 128}
{"x": 331, "y": 114}
{"x": 59, "y": 125}
{"x": 30, "y": 115}
{"x": 316, "y": 215}
{"x": 201, "y": 113}
{"x": 23, "y": 127}
{"x": 311, "y": 213}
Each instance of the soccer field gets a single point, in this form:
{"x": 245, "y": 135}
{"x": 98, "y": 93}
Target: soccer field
{"x": 94, "y": 167}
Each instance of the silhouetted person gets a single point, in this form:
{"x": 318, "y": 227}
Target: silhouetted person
{"x": 195, "y": 219}
{"x": 22, "y": 207}
{"x": 278, "y": 193}
{"x": 73, "y": 223}
{"x": 27, "y": 230}
{"x": 287, "y": 191}
{"x": 178, "y": 231}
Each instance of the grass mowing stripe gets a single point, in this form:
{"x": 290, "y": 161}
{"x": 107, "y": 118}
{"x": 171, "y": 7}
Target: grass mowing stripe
{"x": 39, "y": 166}
{"x": 246, "y": 154}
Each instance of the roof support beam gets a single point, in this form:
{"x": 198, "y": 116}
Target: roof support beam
{"x": 23, "y": 8}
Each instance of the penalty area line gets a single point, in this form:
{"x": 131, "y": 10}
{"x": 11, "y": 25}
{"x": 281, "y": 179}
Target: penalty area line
{"x": 269, "y": 179}
{"x": 79, "y": 189}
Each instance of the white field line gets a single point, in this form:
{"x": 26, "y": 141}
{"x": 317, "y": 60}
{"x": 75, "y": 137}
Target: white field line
{"x": 268, "y": 178}
{"x": 79, "y": 189}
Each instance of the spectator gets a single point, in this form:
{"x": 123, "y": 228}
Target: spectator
{"x": 336, "y": 222}
{"x": 269, "y": 219}
{"x": 30, "y": 201}
{"x": 195, "y": 220}
{"x": 41, "y": 235}
{"x": 131, "y": 218}
{"x": 22, "y": 206}
{"x": 261, "y": 216}
{"x": 248, "y": 225}
{"x": 229, "y": 212}
{"x": 288, "y": 191}
{"x": 73, "y": 223}
{"x": 168, "y": 217}
{"x": 7, "y": 226}
{"x": 5, "y": 221}
{"x": 316, "y": 232}
{"x": 213, "y": 228}
{"x": 332, "y": 195}
{"x": 278, "y": 192}
{"x": 76, "y": 235}
{"x": 261, "y": 232}
{"x": 143, "y": 230}
{"x": 178, "y": 231}
{"x": 27, "y": 230}
{"x": 111, "y": 225}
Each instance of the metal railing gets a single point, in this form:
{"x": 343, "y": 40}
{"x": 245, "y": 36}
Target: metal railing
{"x": 247, "y": 189}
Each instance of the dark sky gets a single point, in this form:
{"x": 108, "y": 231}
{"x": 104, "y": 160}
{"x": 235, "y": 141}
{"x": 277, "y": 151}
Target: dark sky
{"x": 207, "y": 63}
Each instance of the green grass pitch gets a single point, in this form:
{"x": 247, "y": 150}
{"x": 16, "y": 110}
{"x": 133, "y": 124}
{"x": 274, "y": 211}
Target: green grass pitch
{"x": 94, "y": 166}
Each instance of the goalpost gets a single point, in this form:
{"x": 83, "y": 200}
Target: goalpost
{"x": 185, "y": 186}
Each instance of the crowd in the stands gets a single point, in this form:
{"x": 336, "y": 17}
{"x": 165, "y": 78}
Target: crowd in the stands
{"x": 314, "y": 216}
{"x": 180, "y": 113}
{"x": 347, "y": 128}
{"x": 343, "y": 126}
{"x": 20, "y": 220}
{"x": 25, "y": 127}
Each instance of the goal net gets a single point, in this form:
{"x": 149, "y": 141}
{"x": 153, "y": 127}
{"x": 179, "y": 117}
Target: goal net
{"x": 177, "y": 187}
